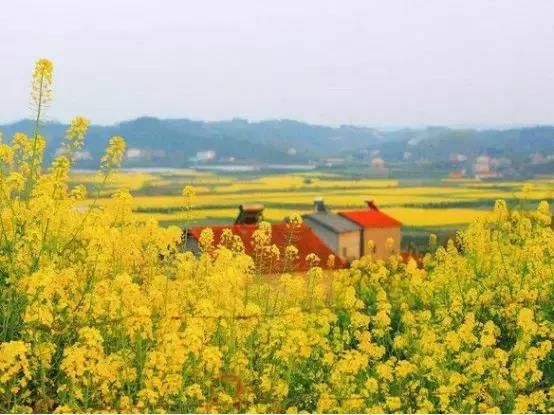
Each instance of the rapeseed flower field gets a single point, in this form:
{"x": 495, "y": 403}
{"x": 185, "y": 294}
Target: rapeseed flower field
{"x": 100, "y": 310}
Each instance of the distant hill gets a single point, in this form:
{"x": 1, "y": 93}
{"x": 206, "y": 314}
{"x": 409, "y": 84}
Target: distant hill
{"x": 438, "y": 143}
{"x": 174, "y": 142}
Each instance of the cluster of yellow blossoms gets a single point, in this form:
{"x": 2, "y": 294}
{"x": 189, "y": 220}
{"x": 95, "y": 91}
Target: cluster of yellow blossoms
{"x": 102, "y": 312}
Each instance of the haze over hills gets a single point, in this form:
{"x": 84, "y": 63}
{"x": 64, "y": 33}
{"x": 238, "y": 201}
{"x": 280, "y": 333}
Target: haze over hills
{"x": 183, "y": 142}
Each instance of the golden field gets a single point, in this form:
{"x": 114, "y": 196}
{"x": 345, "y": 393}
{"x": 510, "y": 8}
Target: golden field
{"x": 157, "y": 196}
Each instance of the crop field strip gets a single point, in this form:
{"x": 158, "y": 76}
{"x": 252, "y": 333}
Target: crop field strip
{"x": 446, "y": 203}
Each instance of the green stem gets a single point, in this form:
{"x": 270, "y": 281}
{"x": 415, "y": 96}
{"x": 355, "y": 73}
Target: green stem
{"x": 30, "y": 179}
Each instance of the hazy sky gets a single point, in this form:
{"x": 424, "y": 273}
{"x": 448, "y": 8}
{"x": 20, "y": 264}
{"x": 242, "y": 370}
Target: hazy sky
{"x": 375, "y": 63}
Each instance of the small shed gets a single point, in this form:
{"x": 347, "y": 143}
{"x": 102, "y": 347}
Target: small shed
{"x": 250, "y": 214}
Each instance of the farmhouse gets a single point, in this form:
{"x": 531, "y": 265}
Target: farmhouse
{"x": 338, "y": 233}
{"x": 377, "y": 227}
{"x": 246, "y": 223}
{"x": 344, "y": 235}
{"x": 348, "y": 233}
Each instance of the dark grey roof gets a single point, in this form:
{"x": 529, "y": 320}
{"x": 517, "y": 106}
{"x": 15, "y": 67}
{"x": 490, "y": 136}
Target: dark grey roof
{"x": 333, "y": 222}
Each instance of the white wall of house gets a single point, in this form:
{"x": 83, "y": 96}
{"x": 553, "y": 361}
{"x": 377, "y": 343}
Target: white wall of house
{"x": 379, "y": 237}
{"x": 349, "y": 245}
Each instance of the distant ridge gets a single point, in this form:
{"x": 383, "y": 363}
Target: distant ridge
{"x": 174, "y": 142}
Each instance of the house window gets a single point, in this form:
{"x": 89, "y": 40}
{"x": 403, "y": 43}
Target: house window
{"x": 344, "y": 251}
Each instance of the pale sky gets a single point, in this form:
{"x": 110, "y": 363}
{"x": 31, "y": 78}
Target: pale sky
{"x": 364, "y": 62}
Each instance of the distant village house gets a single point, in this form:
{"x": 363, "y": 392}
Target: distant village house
{"x": 203, "y": 156}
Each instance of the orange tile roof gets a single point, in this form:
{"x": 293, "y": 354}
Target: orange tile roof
{"x": 305, "y": 240}
{"x": 371, "y": 218}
